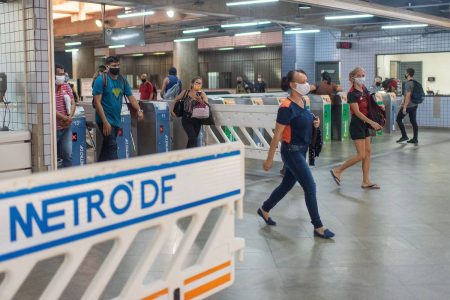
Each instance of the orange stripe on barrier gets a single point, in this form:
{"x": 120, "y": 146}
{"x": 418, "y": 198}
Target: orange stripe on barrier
{"x": 206, "y": 273}
{"x": 157, "y": 294}
{"x": 207, "y": 287}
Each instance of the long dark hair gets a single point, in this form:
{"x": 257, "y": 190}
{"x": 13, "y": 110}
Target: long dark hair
{"x": 326, "y": 77}
{"x": 286, "y": 80}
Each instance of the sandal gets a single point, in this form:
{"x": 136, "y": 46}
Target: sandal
{"x": 335, "y": 178}
{"x": 373, "y": 186}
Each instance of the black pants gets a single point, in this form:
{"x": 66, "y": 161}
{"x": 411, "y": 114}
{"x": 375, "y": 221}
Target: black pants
{"x": 412, "y": 111}
{"x": 109, "y": 145}
{"x": 192, "y": 127}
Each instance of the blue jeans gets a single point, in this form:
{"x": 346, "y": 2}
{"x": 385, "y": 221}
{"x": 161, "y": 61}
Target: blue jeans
{"x": 64, "y": 147}
{"x": 109, "y": 145}
{"x": 297, "y": 169}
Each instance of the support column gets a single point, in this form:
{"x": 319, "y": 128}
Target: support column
{"x": 185, "y": 59}
{"x": 83, "y": 62}
{"x": 27, "y": 57}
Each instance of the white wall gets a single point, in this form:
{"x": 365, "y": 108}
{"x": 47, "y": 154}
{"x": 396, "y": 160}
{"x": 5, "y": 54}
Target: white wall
{"x": 433, "y": 64}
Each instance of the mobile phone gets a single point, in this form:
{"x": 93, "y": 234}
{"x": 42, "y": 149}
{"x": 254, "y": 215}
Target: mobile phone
{"x": 198, "y": 94}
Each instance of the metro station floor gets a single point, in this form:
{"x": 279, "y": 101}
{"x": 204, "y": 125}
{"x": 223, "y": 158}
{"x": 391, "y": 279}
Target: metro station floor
{"x": 392, "y": 243}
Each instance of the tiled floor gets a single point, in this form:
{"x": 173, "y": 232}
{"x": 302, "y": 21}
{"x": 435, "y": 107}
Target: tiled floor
{"x": 392, "y": 243}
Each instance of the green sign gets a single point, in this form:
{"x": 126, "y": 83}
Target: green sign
{"x": 229, "y": 135}
{"x": 326, "y": 122}
{"x": 380, "y": 132}
{"x": 345, "y": 125}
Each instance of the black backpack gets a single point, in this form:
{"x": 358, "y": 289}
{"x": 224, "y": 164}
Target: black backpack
{"x": 105, "y": 84}
{"x": 417, "y": 95}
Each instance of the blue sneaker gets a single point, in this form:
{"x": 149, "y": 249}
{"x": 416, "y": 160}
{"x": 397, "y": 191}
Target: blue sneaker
{"x": 269, "y": 221}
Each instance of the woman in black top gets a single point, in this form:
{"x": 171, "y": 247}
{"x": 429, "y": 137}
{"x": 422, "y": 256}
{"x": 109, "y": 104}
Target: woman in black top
{"x": 191, "y": 97}
{"x": 359, "y": 98}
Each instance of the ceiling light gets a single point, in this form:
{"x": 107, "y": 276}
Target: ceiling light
{"x": 170, "y": 13}
{"x": 136, "y": 14}
{"x": 99, "y": 23}
{"x": 302, "y": 31}
{"x": 348, "y": 17}
{"x": 250, "y": 2}
{"x": 116, "y": 46}
{"x": 295, "y": 29}
{"x": 72, "y": 50}
{"x": 248, "y": 33}
{"x": 403, "y": 26}
{"x": 73, "y": 44}
{"x": 137, "y": 54}
{"x": 247, "y": 24}
{"x": 257, "y": 46}
{"x": 159, "y": 53}
{"x": 125, "y": 36}
{"x": 195, "y": 30}
{"x": 131, "y": 27}
{"x": 226, "y": 49}
{"x": 185, "y": 40}
{"x": 300, "y": 6}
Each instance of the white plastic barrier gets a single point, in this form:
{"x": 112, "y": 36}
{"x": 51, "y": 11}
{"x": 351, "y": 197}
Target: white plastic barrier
{"x": 69, "y": 211}
{"x": 252, "y": 125}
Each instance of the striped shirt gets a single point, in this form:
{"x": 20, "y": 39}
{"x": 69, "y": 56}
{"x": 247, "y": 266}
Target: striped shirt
{"x": 62, "y": 90}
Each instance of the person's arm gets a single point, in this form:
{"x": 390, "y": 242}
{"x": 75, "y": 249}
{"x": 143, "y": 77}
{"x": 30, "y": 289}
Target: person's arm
{"x": 337, "y": 88}
{"x": 133, "y": 101}
{"x": 97, "y": 92}
{"x": 204, "y": 97}
{"x": 407, "y": 101}
{"x": 363, "y": 118}
{"x": 163, "y": 88}
{"x": 180, "y": 96}
{"x": 279, "y": 128}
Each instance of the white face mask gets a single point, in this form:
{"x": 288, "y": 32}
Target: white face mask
{"x": 360, "y": 80}
{"x": 302, "y": 88}
{"x": 60, "y": 79}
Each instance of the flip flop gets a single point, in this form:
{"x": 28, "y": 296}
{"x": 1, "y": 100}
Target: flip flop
{"x": 335, "y": 178}
{"x": 371, "y": 187}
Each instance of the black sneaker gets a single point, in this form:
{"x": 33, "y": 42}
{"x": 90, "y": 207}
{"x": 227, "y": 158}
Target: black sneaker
{"x": 402, "y": 139}
{"x": 413, "y": 141}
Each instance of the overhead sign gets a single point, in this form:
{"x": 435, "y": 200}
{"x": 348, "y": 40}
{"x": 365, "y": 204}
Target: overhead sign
{"x": 124, "y": 36}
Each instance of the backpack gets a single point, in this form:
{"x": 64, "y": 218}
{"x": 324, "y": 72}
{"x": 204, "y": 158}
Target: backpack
{"x": 417, "y": 95}
{"x": 105, "y": 84}
{"x": 171, "y": 93}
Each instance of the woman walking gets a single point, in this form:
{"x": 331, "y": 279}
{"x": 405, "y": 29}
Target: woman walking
{"x": 192, "y": 97}
{"x": 294, "y": 128}
{"x": 359, "y": 97}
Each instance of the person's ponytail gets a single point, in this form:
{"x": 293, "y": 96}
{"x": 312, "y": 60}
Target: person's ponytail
{"x": 286, "y": 80}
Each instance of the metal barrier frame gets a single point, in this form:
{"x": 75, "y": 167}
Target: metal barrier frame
{"x": 34, "y": 198}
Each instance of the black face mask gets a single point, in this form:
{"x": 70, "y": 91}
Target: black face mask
{"x": 114, "y": 71}
{"x": 378, "y": 83}
{"x": 239, "y": 82}
{"x": 143, "y": 80}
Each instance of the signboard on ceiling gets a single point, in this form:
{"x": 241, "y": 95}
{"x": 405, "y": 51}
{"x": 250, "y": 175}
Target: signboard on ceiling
{"x": 124, "y": 36}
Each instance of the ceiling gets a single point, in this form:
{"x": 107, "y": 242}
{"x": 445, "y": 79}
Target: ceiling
{"x": 212, "y": 13}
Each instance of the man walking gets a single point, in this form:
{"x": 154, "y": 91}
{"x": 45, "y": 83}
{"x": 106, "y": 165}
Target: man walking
{"x": 146, "y": 89}
{"x": 409, "y": 107}
{"x": 109, "y": 90}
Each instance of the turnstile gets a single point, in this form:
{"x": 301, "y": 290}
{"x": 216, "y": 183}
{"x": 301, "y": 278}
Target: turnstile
{"x": 321, "y": 107}
{"x": 124, "y": 138}
{"x": 78, "y": 128}
{"x": 340, "y": 118}
{"x": 153, "y": 133}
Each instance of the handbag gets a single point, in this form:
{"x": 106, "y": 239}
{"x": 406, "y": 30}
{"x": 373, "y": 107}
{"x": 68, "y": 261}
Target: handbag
{"x": 178, "y": 108}
{"x": 210, "y": 120}
{"x": 200, "y": 111}
{"x": 376, "y": 114}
